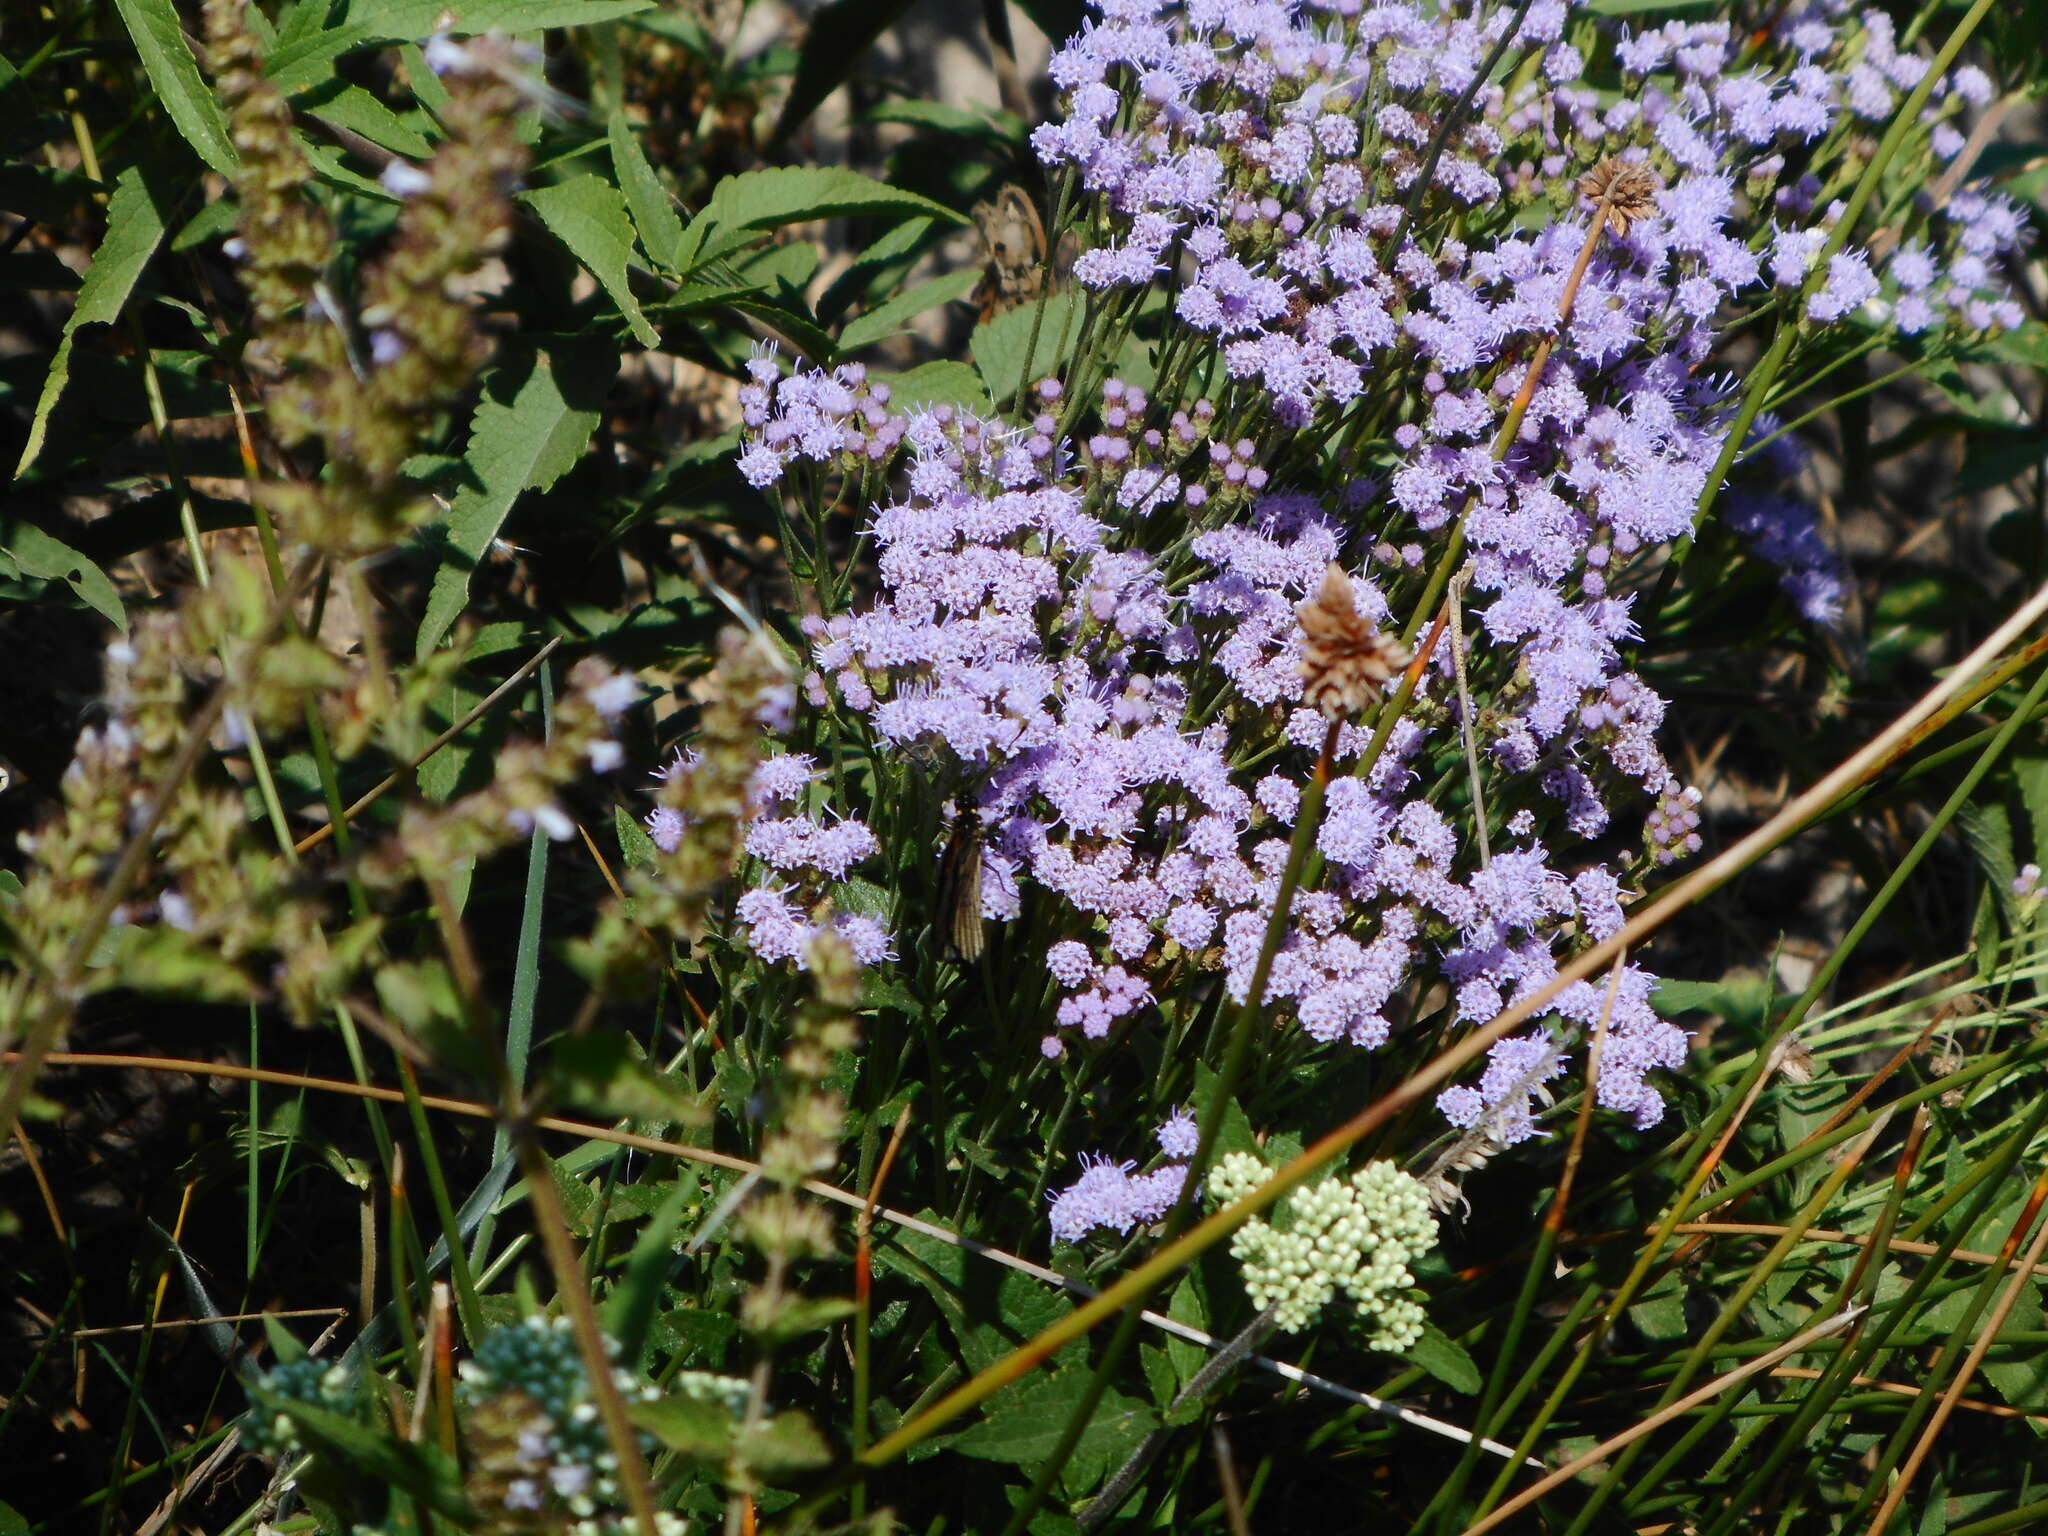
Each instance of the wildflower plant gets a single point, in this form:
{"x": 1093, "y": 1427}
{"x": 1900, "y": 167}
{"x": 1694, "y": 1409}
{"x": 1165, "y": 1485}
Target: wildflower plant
{"x": 842, "y": 843}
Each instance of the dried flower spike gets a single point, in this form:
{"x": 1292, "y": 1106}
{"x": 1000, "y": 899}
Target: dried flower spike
{"x": 1346, "y": 662}
{"x": 1624, "y": 190}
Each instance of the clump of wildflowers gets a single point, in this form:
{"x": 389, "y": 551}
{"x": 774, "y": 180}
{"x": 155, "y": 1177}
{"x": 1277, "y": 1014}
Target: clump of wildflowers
{"x": 1355, "y": 1237}
{"x": 1091, "y": 622}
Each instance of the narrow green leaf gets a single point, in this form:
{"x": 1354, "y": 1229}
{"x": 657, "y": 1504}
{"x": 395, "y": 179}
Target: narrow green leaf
{"x": 153, "y": 24}
{"x": 760, "y": 200}
{"x": 136, "y": 220}
{"x": 630, "y": 1308}
{"x": 530, "y": 427}
{"x": 661, "y": 231}
{"x": 887, "y": 319}
{"x": 875, "y": 270}
{"x": 419, "y": 18}
{"x": 588, "y": 215}
{"x": 987, "y": 124}
{"x": 838, "y": 35}
{"x": 350, "y": 107}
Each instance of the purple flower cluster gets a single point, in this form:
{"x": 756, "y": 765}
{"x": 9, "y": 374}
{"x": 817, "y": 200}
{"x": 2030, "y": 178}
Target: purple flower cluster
{"x": 1096, "y": 639}
{"x": 1075, "y": 688}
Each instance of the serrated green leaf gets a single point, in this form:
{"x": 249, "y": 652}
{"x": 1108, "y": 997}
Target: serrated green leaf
{"x": 529, "y": 429}
{"x": 1025, "y": 1422}
{"x": 39, "y": 555}
{"x": 1445, "y": 1359}
{"x": 472, "y": 18}
{"x": 350, "y": 107}
{"x": 303, "y": 58}
{"x": 661, "y": 230}
{"x": 744, "y": 205}
{"x": 998, "y": 345}
{"x": 173, "y": 71}
{"x": 589, "y": 216}
{"x": 137, "y": 216}
{"x": 887, "y": 319}
{"x": 635, "y": 846}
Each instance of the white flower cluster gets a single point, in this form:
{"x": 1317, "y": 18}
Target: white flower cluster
{"x": 1355, "y": 1235}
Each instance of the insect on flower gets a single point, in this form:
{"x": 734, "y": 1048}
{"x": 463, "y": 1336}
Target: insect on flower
{"x": 1346, "y": 662}
{"x": 959, "y": 889}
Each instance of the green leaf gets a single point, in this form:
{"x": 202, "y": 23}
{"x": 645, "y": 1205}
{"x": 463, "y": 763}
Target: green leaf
{"x": 1740, "y": 999}
{"x": 988, "y": 125}
{"x": 531, "y": 425}
{"x": 588, "y": 215}
{"x": 944, "y": 382}
{"x": 1661, "y": 1316}
{"x": 787, "y": 1443}
{"x": 136, "y": 221}
{"x": 174, "y": 73}
{"x": 630, "y": 1308}
{"x": 420, "y": 1470}
{"x": 753, "y": 201}
{"x": 12, "y": 1522}
{"x": 887, "y": 319}
{"x": 877, "y": 269}
{"x": 1440, "y": 1355}
{"x": 48, "y": 559}
{"x": 635, "y": 846}
{"x": 605, "y": 1072}
{"x": 301, "y": 61}
{"x": 419, "y": 18}
{"x": 350, "y": 107}
{"x": 838, "y": 35}
{"x": 283, "y": 1342}
{"x": 661, "y": 231}
{"x": 1025, "y": 1422}
{"x": 998, "y": 344}
{"x": 701, "y": 1431}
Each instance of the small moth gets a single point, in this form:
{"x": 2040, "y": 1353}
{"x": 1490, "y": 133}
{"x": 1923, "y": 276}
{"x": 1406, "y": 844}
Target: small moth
{"x": 959, "y": 890}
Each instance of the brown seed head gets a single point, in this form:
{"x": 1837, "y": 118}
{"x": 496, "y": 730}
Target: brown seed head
{"x": 1345, "y": 662}
{"x": 1625, "y": 191}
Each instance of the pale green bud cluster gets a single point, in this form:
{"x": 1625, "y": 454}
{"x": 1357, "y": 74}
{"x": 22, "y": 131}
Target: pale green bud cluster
{"x": 1356, "y": 1236}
